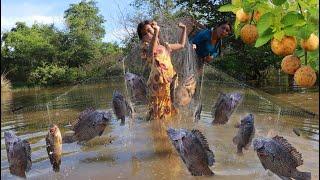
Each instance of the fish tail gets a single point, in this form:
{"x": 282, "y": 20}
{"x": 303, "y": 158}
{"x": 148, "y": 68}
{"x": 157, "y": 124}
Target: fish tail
{"x": 302, "y": 175}
{"x": 68, "y": 139}
{"x": 207, "y": 172}
{"x": 56, "y": 167}
{"x": 122, "y": 121}
{"x": 235, "y": 140}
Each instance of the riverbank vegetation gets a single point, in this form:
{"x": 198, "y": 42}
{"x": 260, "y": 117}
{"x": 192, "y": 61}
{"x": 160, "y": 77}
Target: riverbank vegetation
{"x": 46, "y": 56}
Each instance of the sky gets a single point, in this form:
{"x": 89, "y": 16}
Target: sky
{"x": 51, "y": 11}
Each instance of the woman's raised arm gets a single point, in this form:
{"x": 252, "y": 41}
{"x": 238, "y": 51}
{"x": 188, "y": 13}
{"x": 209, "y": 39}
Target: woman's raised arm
{"x": 183, "y": 38}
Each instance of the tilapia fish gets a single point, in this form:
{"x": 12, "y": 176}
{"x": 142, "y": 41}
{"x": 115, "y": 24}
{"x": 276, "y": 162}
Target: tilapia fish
{"x": 197, "y": 112}
{"x": 185, "y": 91}
{"x": 193, "y": 149}
{"x": 18, "y": 153}
{"x": 225, "y": 106}
{"x": 280, "y": 157}
{"x": 137, "y": 86}
{"x": 121, "y": 107}
{"x": 90, "y": 123}
{"x": 54, "y": 147}
{"x": 245, "y": 133}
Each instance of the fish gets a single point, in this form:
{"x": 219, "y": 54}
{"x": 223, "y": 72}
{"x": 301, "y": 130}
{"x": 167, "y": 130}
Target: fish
{"x": 225, "y": 106}
{"x": 185, "y": 91}
{"x": 18, "y": 154}
{"x": 197, "y": 112}
{"x": 90, "y": 123}
{"x": 54, "y": 147}
{"x": 121, "y": 107}
{"x": 245, "y": 134}
{"x": 14, "y": 109}
{"x": 193, "y": 149}
{"x": 137, "y": 86}
{"x": 280, "y": 157}
{"x": 296, "y": 131}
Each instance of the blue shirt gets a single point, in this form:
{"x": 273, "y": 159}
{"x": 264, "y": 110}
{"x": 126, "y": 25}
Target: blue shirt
{"x": 203, "y": 42}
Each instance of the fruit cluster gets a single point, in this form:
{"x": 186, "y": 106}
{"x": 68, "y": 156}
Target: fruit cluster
{"x": 304, "y": 76}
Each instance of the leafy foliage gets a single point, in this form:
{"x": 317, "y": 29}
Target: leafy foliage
{"x": 44, "y": 55}
{"x": 281, "y": 18}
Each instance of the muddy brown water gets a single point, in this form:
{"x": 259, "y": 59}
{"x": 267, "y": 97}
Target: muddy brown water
{"x": 140, "y": 149}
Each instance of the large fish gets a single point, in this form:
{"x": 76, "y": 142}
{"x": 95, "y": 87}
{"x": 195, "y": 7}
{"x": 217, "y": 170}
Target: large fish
{"x": 280, "y": 157}
{"x": 185, "y": 91}
{"x": 245, "y": 133}
{"x": 137, "y": 86}
{"x": 90, "y": 123}
{"x": 225, "y": 106}
{"x": 193, "y": 149}
{"x": 121, "y": 107}
{"x": 18, "y": 153}
{"x": 54, "y": 147}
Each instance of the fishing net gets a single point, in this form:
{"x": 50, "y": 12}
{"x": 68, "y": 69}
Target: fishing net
{"x": 29, "y": 113}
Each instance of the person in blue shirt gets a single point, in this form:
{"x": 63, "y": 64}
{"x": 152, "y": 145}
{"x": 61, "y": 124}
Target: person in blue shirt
{"x": 207, "y": 43}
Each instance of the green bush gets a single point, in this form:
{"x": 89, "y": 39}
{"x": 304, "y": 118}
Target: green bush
{"x": 53, "y": 74}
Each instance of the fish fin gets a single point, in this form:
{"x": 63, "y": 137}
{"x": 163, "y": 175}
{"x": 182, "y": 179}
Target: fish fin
{"x": 27, "y": 149}
{"x": 67, "y": 138}
{"x": 250, "y": 139}
{"x": 195, "y": 171}
{"x": 207, "y": 172}
{"x": 235, "y": 140}
{"x": 173, "y": 87}
{"x": 82, "y": 117}
{"x": 284, "y": 178}
{"x": 302, "y": 175}
{"x": 218, "y": 102}
{"x": 130, "y": 109}
{"x": 237, "y": 125}
{"x": 247, "y": 146}
{"x": 122, "y": 123}
{"x": 100, "y": 133}
{"x": 56, "y": 167}
{"x": 49, "y": 148}
{"x": 239, "y": 150}
{"x": 297, "y": 157}
{"x": 202, "y": 139}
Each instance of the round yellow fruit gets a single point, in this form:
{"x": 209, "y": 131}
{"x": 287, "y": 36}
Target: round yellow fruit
{"x": 286, "y": 46}
{"x": 249, "y": 34}
{"x": 310, "y": 44}
{"x": 290, "y": 64}
{"x": 305, "y": 76}
{"x": 242, "y": 16}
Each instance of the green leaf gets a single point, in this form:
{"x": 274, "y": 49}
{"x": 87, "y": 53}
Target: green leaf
{"x": 264, "y": 38}
{"x": 246, "y": 6}
{"x": 278, "y": 2}
{"x": 228, "y": 8}
{"x": 293, "y": 18}
{"x": 279, "y": 35}
{"x": 291, "y": 30}
{"x": 306, "y": 31}
{"x": 237, "y": 28}
{"x": 236, "y": 2}
{"x": 265, "y": 22}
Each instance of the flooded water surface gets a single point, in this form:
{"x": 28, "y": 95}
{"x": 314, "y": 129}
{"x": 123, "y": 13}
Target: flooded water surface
{"x": 141, "y": 149}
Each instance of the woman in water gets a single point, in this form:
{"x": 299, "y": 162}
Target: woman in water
{"x": 162, "y": 73}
